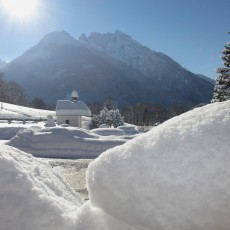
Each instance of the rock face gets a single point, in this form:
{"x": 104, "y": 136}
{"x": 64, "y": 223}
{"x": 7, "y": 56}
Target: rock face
{"x": 154, "y": 65}
{"x": 103, "y": 65}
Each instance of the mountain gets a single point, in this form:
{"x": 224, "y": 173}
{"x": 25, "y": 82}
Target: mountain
{"x": 2, "y": 64}
{"x": 103, "y": 65}
{"x": 154, "y": 65}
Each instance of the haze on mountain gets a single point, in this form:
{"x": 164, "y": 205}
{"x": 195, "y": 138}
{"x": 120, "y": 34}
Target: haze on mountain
{"x": 2, "y": 63}
{"x": 106, "y": 65}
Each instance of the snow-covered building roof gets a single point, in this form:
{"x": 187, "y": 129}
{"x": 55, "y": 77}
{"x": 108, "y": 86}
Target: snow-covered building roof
{"x": 69, "y": 108}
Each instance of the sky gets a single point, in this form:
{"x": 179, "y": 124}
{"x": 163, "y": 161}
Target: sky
{"x": 192, "y": 32}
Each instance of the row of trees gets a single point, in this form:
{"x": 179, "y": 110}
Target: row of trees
{"x": 148, "y": 115}
{"x": 11, "y": 92}
{"x": 142, "y": 114}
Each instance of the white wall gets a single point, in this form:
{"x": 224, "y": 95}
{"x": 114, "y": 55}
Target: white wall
{"x": 73, "y": 120}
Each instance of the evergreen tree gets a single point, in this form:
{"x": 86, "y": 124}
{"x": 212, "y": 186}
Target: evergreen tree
{"x": 110, "y": 117}
{"x": 104, "y": 117}
{"x": 222, "y": 86}
{"x": 94, "y": 123}
{"x": 117, "y": 119}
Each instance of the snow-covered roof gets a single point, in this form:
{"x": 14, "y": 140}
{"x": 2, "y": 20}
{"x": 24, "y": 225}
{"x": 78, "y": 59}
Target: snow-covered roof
{"x": 66, "y": 107}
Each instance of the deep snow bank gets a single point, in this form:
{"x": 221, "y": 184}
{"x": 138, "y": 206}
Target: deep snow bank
{"x": 176, "y": 176}
{"x": 7, "y": 132}
{"x": 32, "y": 196}
{"x": 62, "y": 142}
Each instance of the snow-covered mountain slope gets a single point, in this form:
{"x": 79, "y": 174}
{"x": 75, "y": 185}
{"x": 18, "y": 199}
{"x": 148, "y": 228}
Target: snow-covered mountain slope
{"x": 105, "y": 65}
{"x": 122, "y": 47}
{"x": 152, "y": 64}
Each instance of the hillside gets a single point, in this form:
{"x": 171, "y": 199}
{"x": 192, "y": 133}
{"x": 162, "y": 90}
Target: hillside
{"x": 99, "y": 66}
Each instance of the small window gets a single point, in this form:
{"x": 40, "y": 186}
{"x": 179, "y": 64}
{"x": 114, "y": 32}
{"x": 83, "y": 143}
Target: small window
{"x": 67, "y": 122}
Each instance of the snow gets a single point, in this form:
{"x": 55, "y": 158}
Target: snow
{"x": 63, "y": 142}
{"x": 14, "y": 111}
{"x": 60, "y": 141}
{"x": 176, "y": 176}
{"x": 9, "y": 111}
{"x": 129, "y": 129}
{"x": 108, "y": 131}
{"x": 68, "y": 108}
{"x": 124, "y": 48}
{"x": 32, "y": 196}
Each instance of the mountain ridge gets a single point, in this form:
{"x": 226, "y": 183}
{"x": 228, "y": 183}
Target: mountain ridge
{"x": 115, "y": 64}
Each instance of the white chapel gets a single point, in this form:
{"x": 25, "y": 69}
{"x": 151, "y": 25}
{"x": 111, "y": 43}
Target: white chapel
{"x": 70, "y": 112}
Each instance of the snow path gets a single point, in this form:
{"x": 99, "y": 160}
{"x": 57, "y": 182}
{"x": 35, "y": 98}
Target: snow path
{"x": 74, "y": 171}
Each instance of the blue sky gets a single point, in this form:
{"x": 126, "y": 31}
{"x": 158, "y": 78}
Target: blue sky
{"x": 192, "y": 32}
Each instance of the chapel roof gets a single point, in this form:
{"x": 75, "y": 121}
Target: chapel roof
{"x": 68, "y": 108}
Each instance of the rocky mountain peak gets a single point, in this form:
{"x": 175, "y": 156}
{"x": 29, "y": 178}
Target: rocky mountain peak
{"x": 57, "y": 37}
{"x": 83, "y": 38}
{"x": 118, "y": 39}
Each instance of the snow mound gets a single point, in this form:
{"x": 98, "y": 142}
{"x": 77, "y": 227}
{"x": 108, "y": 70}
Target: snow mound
{"x": 104, "y": 126}
{"x": 108, "y": 132}
{"x": 129, "y": 129}
{"x": 62, "y": 142}
{"x": 32, "y": 196}
{"x": 9, "y": 132}
{"x": 176, "y": 176}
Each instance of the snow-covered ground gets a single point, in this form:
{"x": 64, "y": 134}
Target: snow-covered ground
{"x": 74, "y": 172}
{"x": 32, "y": 195}
{"x": 58, "y": 141}
{"x": 176, "y": 176}
{"x": 63, "y": 142}
{"x": 14, "y": 111}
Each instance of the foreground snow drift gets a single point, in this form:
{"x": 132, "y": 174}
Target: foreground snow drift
{"x": 63, "y": 142}
{"x": 177, "y": 176}
{"x": 32, "y": 196}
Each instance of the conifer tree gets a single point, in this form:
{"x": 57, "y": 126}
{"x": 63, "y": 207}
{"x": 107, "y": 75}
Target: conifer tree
{"x": 222, "y": 86}
{"x": 109, "y": 117}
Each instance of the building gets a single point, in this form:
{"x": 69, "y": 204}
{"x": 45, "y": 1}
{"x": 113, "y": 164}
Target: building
{"x": 71, "y": 112}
